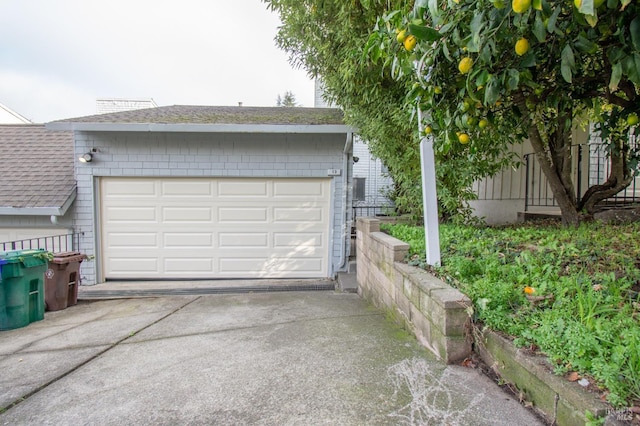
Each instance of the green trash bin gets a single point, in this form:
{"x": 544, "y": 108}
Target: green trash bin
{"x": 3, "y": 302}
{"x": 22, "y": 275}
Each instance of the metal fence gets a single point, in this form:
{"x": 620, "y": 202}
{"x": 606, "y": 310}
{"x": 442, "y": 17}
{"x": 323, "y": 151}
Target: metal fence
{"x": 368, "y": 211}
{"x": 54, "y": 244}
{"x": 538, "y": 193}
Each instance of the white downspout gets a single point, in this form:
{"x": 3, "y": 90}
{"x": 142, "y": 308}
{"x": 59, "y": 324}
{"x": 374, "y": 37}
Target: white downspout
{"x": 346, "y": 222}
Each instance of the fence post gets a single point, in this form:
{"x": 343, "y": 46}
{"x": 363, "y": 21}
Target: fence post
{"x": 526, "y": 185}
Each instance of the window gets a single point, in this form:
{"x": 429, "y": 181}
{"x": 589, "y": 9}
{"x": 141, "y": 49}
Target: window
{"x": 359, "y": 189}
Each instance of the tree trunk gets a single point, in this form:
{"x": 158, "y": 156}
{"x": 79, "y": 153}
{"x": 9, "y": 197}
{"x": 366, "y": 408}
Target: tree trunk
{"x": 564, "y": 196}
{"x": 619, "y": 178}
{"x": 556, "y": 162}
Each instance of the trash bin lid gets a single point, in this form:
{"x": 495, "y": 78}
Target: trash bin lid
{"x": 68, "y": 257}
{"x": 28, "y": 257}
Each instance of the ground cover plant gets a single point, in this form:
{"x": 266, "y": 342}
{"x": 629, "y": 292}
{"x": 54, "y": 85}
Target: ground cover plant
{"x": 570, "y": 293}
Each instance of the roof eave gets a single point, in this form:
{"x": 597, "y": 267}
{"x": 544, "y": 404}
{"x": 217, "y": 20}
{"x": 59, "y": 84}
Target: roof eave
{"x": 40, "y": 211}
{"x": 201, "y": 128}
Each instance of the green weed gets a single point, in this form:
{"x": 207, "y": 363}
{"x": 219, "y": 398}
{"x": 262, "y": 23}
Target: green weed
{"x": 583, "y": 311}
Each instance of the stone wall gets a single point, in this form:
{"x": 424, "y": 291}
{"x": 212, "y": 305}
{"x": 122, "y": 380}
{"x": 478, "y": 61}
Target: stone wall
{"x": 437, "y": 315}
{"x": 435, "y": 312}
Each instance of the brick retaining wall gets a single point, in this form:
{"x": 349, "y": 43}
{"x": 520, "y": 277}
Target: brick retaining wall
{"x": 435, "y": 312}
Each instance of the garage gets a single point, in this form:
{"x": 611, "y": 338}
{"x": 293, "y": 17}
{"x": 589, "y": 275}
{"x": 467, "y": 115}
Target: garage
{"x": 207, "y": 228}
{"x": 188, "y": 192}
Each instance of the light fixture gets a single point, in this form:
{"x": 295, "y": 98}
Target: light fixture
{"x": 86, "y": 158}
{"x": 356, "y": 159}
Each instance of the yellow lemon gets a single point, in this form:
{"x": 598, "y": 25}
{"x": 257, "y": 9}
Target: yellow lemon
{"x": 428, "y": 130}
{"x": 520, "y": 6}
{"x": 410, "y": 42}
{"x": 437, "y": 90}
{"x": 465, "y": 65}
{"x": 463, "y": 138}
{"x": 401, "y": 36}
{"x": 522, "y": 46}
{"x": 483, "y": 123}
{"x": 632, "y": 119}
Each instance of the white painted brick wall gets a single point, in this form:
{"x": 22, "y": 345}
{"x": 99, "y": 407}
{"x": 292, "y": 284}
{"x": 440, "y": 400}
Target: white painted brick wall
{"x": 207, "y": 155}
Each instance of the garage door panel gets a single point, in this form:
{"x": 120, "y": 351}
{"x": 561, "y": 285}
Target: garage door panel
{"x": 130, "y": 189}
{"x": 188, "y": 240}
{"x": 243, "y": 214}
{"x": 243, "y": 239}
{"x": 294, "y": 188}
{"x": 215, "y": 227}
{"x": 190, "y": 265}
{"x": 133, "y": 265}
{"x": 187, "y": 214}
{"x": 272, "y": 266}
{"x": 131, "y": 214}
{"x": 242, "y": 188}
{"x": 303, "y": 215}
{"x": 297, "y": 240}
{"x": 127, "y": 240}
{"x": 187, "y": 188}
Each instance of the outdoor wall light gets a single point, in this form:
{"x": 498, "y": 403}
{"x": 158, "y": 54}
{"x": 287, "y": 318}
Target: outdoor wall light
{"x": 88, "y": 157}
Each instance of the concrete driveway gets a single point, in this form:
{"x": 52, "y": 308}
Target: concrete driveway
{"x": 283, "y": 358}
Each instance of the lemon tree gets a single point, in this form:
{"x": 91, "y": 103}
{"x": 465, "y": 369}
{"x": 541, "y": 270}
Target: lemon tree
{"x": 525, "y": 69}
{"x": 328, "y": 38}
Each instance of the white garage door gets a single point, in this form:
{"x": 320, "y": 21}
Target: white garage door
{"x": 158, "y": 228}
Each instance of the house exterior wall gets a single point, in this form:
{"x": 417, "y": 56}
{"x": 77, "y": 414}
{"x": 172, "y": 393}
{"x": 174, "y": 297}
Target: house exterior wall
{"x": 370, "y": 168}
{"x": 25, "y": 227}
{"x": 503, "y": 196}
{"x": 207, "y": 155}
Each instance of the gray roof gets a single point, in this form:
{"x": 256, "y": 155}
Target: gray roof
{"x": 212, "y": 119}
{"x": 36, "y": 170}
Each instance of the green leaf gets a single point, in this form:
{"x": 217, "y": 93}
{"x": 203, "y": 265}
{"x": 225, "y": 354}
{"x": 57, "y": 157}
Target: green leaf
{"x": 513, "y": 79}
{"x": 432, "y": 5}
{"x": 587, "y": 7}
{"x": 485, "y": 54}
{"x": 591, "y": 20}
{"x": 631, "y": 67}
{"x": 419, "y": 4}
{"x": 482, "y": 78}
{"x": 616, "y": 75}
{"x": 585, "y": 45}
{"x": 424, "y": 33}
{"x": 492, "y": 91}
{"x": 476, "y": 26}
{"x": 539, "y": 29}
{"x": 634, "y": 29}
{"x": 567, "y": 63}
{"x": 551, "y": 25}
{"x": 528, "y": 60}
{"x": 445, "y": 52}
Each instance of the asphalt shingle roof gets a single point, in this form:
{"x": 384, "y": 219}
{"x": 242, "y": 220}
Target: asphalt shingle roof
{"x": 191, "y": 114}
{"x": 36, "y": 167}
